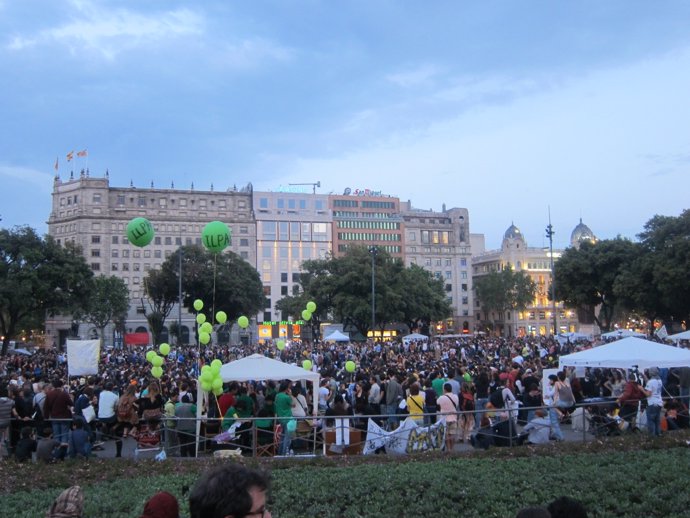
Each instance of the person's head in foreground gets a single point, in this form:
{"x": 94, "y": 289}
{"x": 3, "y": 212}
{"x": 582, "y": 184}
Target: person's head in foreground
{"x": 161, "y": 505}
{"x": 70, "y": 504}
{"x": 230, "y": 491}
{"x": 566, "y": 507}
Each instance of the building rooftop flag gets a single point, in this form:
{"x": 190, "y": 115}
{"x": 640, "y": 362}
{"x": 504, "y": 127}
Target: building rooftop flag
{"x": 70, "y": 156}
{"x": 83, "y": 152}
{"x": 56, "y": 164}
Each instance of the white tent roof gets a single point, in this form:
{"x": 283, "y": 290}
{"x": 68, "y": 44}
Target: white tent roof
{"x": 628, "y": 353}
{"x": 259, "y": 367}
{"x": 337, "y": 336}
{"x": 685, "y": 335}
{"x": 415, "y": 336}
{"x": 622, "y": 333}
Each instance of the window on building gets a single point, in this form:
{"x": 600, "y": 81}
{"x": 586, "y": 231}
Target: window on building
{"x": 269, "y": 230}
{"x": 125, "y": 253}
{"x": 157, "y": 240}
{"x": 114, "y": 253}
{"x": 283, "y": 277}
{"x": 95, "y": 253}
{"x": 114, "y": 240}
{"x": 113, "y": 267}
{"x": 318, "y": 204}
{"x": 284, "y": 229}
{"x": 463, "y": 287}
{"x": 412, "y": 236}
{"x": 280, "y": 203}
{"x": 463, "y": 262}
{"x": 136, "y": 253}
{"x": 244, "y": 242}
{"x": 449, "y": 274}
{"x": 95, "y": 240}
{"x": 427, "y": 262}
{"x": 244, "y": 254}
{"x": 263, "y": 203}
{"x": 295, "y": 277}
{"x": 283, "y": 290}
{"x": 168, "y": 240}
{"x": 96, "y": 267}
{"x": 157, "y": 254}
{"x": 463, "y": 275}
{"x": 121, "y": 199}
{"x": 302, "y": 204}
{"x": 465, "y": 300}
{"x": 306, "y": 231}
{"x": 125, "y": 267}
{"x": 244, "y": 230}
{"x": 135, "y": 267}
{"x": 449, "y": 287}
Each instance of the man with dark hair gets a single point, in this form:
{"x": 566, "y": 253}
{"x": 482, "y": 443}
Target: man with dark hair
{"x": 58, "y": 409}
{"x": 230, "y": 491}
{"x": 566, "y": 507}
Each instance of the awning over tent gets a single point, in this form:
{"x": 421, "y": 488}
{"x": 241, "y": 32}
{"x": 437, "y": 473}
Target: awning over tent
{"x": 337, "y": 336}
{"x": 628, "y": 353}
{"x": 623, "y": 333}
{"x": 685, "y": 335}
{"x": 415, "y": 337}
{"x": 259, "y": 367}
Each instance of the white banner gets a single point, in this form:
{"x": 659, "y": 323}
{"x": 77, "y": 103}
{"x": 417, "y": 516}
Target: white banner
{"x": 407, "y": 438}
{"x": 82, "y": 357}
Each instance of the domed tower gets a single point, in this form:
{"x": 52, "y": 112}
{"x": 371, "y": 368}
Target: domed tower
{"x": 513, "y": 238}
{"x": 581, "y": 233}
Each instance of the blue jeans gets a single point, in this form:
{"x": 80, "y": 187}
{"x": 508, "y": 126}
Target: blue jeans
{"x": 391, "y": 411}
{"x": 285, "y": 441}
{"x": 61, "y": 430}
{"x": 480, "y": 404}
{"x": 654, "y": 420}
{"x": 554, "y": 420}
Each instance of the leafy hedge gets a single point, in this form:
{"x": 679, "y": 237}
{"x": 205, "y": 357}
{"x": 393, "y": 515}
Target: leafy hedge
{"x": 636, "y": 483}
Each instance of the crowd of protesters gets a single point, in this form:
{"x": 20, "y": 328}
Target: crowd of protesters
{"x": 42, "y": 410}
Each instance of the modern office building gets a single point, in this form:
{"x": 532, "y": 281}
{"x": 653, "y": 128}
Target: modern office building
{"x": 292, "y": 227}
{"x": 440, "y": 242}
{"x": 89, "y": 212}
{"x": 367, "y": 218}
{"x": 537, "y": 318}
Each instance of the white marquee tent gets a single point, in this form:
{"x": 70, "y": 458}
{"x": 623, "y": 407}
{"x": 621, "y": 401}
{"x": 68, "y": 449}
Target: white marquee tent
{"x": 337, "y": 336}
{"x": 623, "y": 333}
{"x": 685, "y": 335}
{"x": 628, "y": 353}
{"x": 415, "y": 337}
{"x": 261, "y": 368}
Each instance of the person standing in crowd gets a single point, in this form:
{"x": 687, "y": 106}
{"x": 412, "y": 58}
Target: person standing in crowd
{"x": 448, "y": 407}
{"x": 654, "y": 402}
{"x": 107, "y": 410}
{"x": 554, "y": 417}
{"x": 58, "y": 409}
{"x": 467, "y": 405}
{"x": 185, "y": 413}
{"x": 283, "y": 404}
{"x": 394, "y": 395}
{"x": 231, "y": 490}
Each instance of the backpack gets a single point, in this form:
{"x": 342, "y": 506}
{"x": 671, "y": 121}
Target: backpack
{"x": 124, "y": 409}
{"x": 496, "y": 398}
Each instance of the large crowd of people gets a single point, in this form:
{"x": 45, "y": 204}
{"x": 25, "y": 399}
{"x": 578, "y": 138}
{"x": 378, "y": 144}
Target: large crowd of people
{"x": 483, "y": 386}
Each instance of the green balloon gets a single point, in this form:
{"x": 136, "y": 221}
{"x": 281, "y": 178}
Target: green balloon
{"x": 156, "y": 361}
{"x": 306, "y": 365}
{"x": 221, "y": 317}
{"x": 217, "y": 392}
{"x": 206, "y": 377}
{"x": 206, "y": 327}
{"x": 204, "y": 338}
{"x": 200, "y": 318}
{"x": 306, "y": 314}
{"x": 311, "y": 306}
{"x": 140, "y": 231}
{"x": 280, "y": 344}
{"x": 215, "y": 236}
{"x": 350, "y": 366}
{"x": 217, "y": 383}
{"x": 216, "y": 364}
{"x": 243, "y": 322}
{"x": 206, "y": 386}
{"x": 150, "y": 355}
{"x": 206, "y": 368}
{"x": 156, "y": 371}
{"x": 164, "y": 349}
{"x": 198, "y": 304}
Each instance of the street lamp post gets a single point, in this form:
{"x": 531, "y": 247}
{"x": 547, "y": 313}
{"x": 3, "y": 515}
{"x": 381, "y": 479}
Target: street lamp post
{"x": 549, "y": 233}
{"x": 373, "y": 251}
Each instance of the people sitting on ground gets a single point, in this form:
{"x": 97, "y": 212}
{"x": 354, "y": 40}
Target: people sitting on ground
{"x": 49, "y": 449}
{"x": 230, "y": 490}
{"x": 539, "y": 428}
{"x": 161, "y": 505}
{"x": 79, "y": 441}
{"x": 26, "y": 445}
{"x": 69, "y": 504}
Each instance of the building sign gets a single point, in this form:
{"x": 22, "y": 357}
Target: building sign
{"x": 294, "y": 189}
{"x": 361, "y": 192}
{"x": 284, "y": 329}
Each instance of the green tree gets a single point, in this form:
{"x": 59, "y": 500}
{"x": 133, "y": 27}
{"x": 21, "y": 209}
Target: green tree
{"x": 38, "y": 277}
{"x": 499, "y": 292}
{"x": 223, "y": 281}
{"x": 341, "y": 289}
{"x": 107, "y": 301}
{"x": 161, "y": 290}
{"x": 585, "y": 277}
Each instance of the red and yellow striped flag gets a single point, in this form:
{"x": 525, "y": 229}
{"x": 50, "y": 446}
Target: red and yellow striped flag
{"x": 70, "y": 156}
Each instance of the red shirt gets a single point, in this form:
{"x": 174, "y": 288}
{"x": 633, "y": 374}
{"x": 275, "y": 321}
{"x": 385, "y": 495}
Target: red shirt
{"x": 226, "y": 401}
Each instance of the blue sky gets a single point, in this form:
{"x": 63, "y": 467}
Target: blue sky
{"x": 501, "y": 107}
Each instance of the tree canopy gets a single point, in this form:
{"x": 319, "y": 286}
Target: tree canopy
{"x": 504, "y": 290}
{"x": 107, "y": 301}
{"x": 341, "y": 289}
{"x": 38, "y": 277}
{"x": 223, "y": 281}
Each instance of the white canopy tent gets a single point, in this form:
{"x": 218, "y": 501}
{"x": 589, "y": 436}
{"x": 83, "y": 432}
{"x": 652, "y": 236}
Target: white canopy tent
{"x": 685, "y": 335}
{"x": 623, "y": 333}
{"x": 337, "y": 336}
{"x": 628, "y": 353}
{"x": 261, "y": 368}
{"x": 415, "y": 337}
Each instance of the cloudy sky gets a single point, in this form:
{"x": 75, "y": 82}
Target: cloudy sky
{"x": 503, "y": 107}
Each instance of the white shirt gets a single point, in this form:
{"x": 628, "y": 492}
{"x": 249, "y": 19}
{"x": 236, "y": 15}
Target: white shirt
{"x": 107, "y": 404}
{"x": 654, "y": 386}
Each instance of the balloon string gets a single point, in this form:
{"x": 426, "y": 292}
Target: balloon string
{"x": 213, "y": 312}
